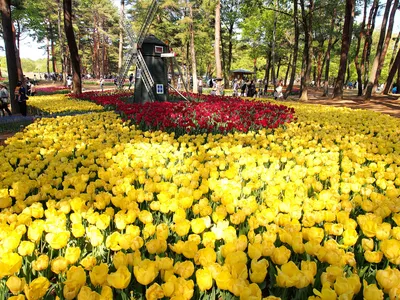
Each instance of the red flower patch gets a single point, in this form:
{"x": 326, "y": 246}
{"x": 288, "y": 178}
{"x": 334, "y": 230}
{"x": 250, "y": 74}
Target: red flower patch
{"x": 214, "y": 114}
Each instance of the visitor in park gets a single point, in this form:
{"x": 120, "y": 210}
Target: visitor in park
{"x": 4, "y": 100}
{"x": 235, "y": 88}
{"x": 130, "y": 80}
{"x": 33, "y": 90}
{"x": 69, "y": 82}
{"x": 199, "y": 85}
{"x": 278, "y": 91}
{"x": 102, "y": 84}
{"x": 394, "y": 89}
{"x": 179, "y": 82}
{"x": 28, "y": 86}
{"x": 34, "y": 79}
{"x": 251, "y": 89}
{"x": 243, "y": 89}
{"x": 20, "y": 97}
{"x": 116, "y": 82}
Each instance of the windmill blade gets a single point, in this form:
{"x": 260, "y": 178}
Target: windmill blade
{"x": 147, "y": 22}
{"x": 125, "y": 24}
{"x": 146, "y": 76}
{"x": 129, "y": 60}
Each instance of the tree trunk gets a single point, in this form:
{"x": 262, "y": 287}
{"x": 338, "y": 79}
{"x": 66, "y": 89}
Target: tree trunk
{"x": 356, "y": 61}
{"x": 217, "y": 44}
{"x": 386, "y": 43}
{"x": 307, "y": 52}
{"x": 121, "y": 34}
{"x": 11, "y": 57}
{"x": 16, "y": 37}
{"x": 295, "y": 50}
{"x": 396, "y": 45}
{"x": 368, "y": 40}
{"x": 379, "y": 51}
{"x": 319, "y": 63}
{"x": 73, "y": 49}
{"x": 393, "y": 70}
{"x": 61, "y": 42}
{"x": 348, "y": 79}
{"x": 53, "y": 50}
{"x": 328, "y": 55}
{"x": 287, "y": 70}
{"x": 48, "y": 56}
{"x": 273, "y": 46}
{"x": 230, "y": 45}
{"x": 267, "y": 70}
{"x": 346, "y": 40}
{"x": 192, "y": 50}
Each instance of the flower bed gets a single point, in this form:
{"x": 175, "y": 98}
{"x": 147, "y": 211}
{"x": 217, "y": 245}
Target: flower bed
{"x": 50, "y": 90}
{"x": 90, "y": 206}
{"x": 210, "y": 114}
{"x": 59, "y": 104}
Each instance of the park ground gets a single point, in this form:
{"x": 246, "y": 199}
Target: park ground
{"x": 386, "y": 104}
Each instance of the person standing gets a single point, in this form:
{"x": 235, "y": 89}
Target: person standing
{"x": 20, "y": 97}
{"x": 4, "y": 100}
{"x": 69, "y": 82}
{"x": 243, "y": 89}
{"x": 102, "y": 84}
{"x": 130, "y": 80}
{"x": 251, "y": 89}
{"x": 199, "y": 86}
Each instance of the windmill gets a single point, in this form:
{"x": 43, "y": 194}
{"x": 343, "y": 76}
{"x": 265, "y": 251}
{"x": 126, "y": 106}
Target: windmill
{"x": 149, "y": 55}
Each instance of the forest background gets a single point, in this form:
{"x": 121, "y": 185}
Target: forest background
{"x": 267, "y": 37}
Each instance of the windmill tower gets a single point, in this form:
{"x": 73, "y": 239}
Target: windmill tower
{"x": 148, "y": 54}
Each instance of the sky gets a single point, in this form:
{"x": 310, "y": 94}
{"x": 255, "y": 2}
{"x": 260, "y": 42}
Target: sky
{"x": 30, "y": 48}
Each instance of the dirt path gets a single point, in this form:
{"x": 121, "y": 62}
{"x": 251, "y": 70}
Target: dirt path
{"x": 380, "y": 103}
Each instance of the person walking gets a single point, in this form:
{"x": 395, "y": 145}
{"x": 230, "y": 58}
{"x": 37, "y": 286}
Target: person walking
{"x": 20, "y": 97}
{"x": 4, "y": 100}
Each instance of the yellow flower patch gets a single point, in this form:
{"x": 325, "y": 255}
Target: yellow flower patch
{"x": 58, "y": 103}
{"x": 311, "y": 210}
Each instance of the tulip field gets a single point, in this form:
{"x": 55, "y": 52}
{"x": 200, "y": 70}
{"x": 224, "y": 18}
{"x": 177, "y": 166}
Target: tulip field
{"x": 221, "y": 198}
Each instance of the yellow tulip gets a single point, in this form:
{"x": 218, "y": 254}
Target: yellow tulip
{"x": 224, "y": 280}
{"x": 15, "y": 284}
{"x": 98, "y": 275}
{"x": 119, "y": 279}
{"x": 41, "y": 263}
{"x": 373, "y": 256}
{"x": 146, "y": 271}
{"x": 10, "y": 263}
{"x": 26, "y": 248}
{"x": 372, "y": 292}
{"x": 204, "y": 279}
{"x": 205, "y": 257}
{"x": 37, "y": 288}
{"x": 184, "y": 269}
{"x": 59, "y": 265}
{"x": 154, "y": 292}
{"x": 280, "y": 255}
{"x": 72, "y": 254}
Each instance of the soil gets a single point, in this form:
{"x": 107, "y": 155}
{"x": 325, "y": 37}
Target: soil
{"x": 387, "y": 104}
